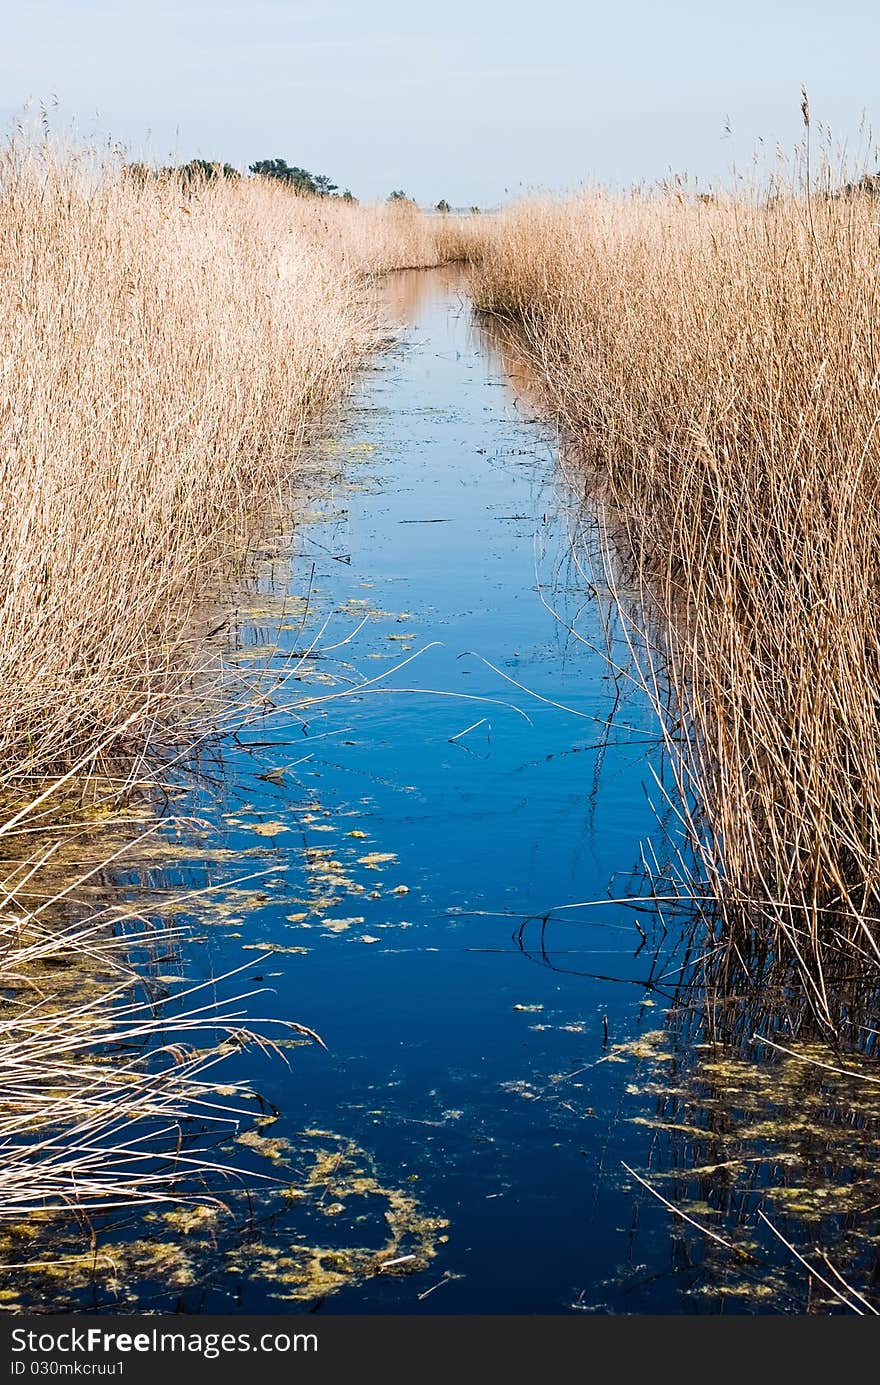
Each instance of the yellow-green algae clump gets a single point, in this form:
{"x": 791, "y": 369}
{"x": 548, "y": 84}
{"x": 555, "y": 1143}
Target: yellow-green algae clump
{"x": 790, "y": 1134}
{"x": 336, "y": 1223}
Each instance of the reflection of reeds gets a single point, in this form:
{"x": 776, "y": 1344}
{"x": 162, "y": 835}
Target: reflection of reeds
{"x": 716, "y": 362}
{"x": 766, "y": 1141}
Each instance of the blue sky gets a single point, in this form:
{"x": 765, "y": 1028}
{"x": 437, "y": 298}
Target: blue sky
{"x": 475, "y": 102}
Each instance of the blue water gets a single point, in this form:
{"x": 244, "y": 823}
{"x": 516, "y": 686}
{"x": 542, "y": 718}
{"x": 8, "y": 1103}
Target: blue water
{"x": 430, "y": 1067}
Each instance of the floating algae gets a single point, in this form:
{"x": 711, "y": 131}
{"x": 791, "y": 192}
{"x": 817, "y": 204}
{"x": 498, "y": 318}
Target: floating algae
{"x": 745, "y": 1139}
{"x": 275, "y": 1150}
{"x": 346, "y": 1182}
{"x": 334, "y": 1225}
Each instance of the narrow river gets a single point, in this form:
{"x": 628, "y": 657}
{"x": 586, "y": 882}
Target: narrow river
{"x": 450, "y": 1013}
{"x": 466, "y": 772}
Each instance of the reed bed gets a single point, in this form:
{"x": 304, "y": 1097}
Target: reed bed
{"x": 165, "y": 348}
{"x": 378, "y": 238}
{"x": 714, "y": 367}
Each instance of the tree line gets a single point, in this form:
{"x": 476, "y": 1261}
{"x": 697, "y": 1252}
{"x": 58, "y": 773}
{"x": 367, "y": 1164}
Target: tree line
{"x": 197, "y": 171}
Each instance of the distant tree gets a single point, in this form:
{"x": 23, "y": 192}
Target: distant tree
{"x": 324, "y": 186}
{"x": 867, "y": 186}
{"x": 281, "y": 171}
{"x": 398, "y": 195}
{"x": 475, "y": 210}
{"x": 300, "y": 179}
{"x": 202, "y": 171}
{"x": 271, "y": 168}
{"x": 443, "y": 206}
{"x": 348, "y": 196}
{"x": 138, "y": 173}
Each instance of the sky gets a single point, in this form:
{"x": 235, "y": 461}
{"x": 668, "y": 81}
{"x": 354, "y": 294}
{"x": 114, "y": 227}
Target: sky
{"x": 473, "y": 102}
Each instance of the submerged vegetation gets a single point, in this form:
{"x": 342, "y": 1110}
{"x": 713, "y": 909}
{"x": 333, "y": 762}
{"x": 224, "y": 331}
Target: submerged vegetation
{"x": 325, "y": 1222}
{"x": 765, "y": 1151}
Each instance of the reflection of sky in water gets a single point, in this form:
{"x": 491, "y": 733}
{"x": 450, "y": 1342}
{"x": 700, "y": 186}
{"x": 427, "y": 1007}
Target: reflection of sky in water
{"x": 432, "y": 1066}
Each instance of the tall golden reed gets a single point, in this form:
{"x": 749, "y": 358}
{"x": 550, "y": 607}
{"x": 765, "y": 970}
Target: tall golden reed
{"x": 716, "y": 365}
{"x": 163, "y": 349}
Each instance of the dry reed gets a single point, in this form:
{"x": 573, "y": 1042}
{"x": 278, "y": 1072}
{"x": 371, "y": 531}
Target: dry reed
{"x": 714, "y": 364}
{"x": 98, "y": 1085}
{"x": 165, "y": 349}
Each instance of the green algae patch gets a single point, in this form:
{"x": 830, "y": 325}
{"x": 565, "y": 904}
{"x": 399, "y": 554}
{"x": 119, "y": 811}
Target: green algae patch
{"x": 188, "y": 1220}
{"x": 778, "y": 1151}
{"x": 274, "y": 1150}
{"x": 334, "y": 1224}
{"x": 342, "y": 1184}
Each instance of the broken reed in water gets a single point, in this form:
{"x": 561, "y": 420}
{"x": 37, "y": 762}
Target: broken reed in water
{"x": 102, "y": 1094}
{"x": 716, "y": 364}
{"x": 164, "y": 349}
